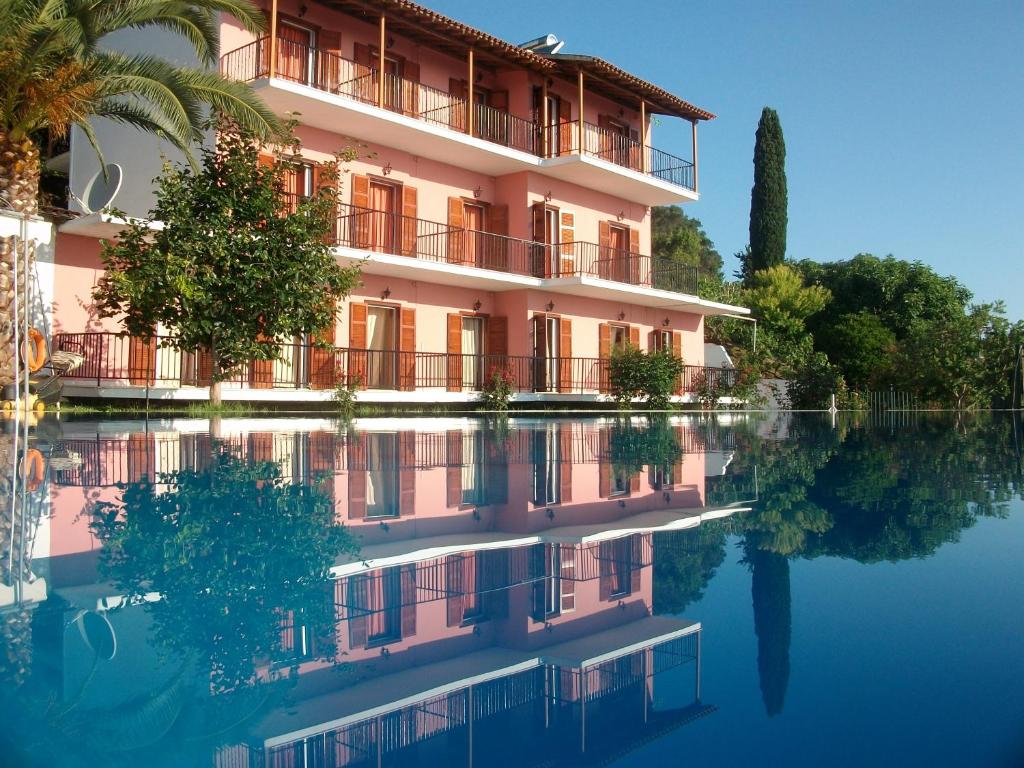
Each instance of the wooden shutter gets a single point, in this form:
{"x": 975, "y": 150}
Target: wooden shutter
{"x": 566, "y": 129}
{"x": 141, "y": 457}
{"x": 542, "y": 263}
{"x": 499, "y": 100}
{"x": 567, "y": 583}
{"x": 606, "y": 138}
{"x": 677, "y": 351}
{"x": 565, "y": 355}
{"x": 565, "y": 462}
{"x": 359, "y": 220}
{"x": 604, "y": 249}
{"x": 411, "y": 88}
{"x": 328, "y": 75}
{"x": 540, "y": 337}
{"x": 142, "y": 360}
{"x": 366, "y": 88}
{"x": 409, "y": 205}
{"x": 634, "y": 274}
{"x": 453, "y": 586}
{"x": 454, "y": 339}
{"x": 497, "y": 247}
{"x": 408, "y": 591}
{"x": 322, "y": 363}
{"x": 357, "y": 600}
{"x": 636, "y": 557}
{"x": 453, "y": 480}
{"x": 458, "y": 90}
{"x": 356, "y": 477}
{"x": 357, "y": 345}
{"x": 204, "y": 367}
{"x": 456, "y": 223}
{"x": 567, "y": 239}
{"x": 604, "y": 352}
{"x": 261, "y": 372}
{"x": 634, "y": 483}
{"x": 497, "y": 345}
{"x": 606, "y": 552}
{"x": 634, "y": 336}
{"x": 634, "y": 150}
{"x": 267, "y": 160}
{"x": 407, "y": 350}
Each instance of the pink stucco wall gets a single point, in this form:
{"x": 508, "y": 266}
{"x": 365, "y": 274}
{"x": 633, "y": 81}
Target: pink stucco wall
{"x": 77, "y": 269}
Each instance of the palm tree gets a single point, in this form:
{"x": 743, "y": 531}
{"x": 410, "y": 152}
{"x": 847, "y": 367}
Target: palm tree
{"x": 54, "y": 73}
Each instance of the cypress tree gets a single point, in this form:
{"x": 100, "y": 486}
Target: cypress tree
{"x": 768, "y": 197}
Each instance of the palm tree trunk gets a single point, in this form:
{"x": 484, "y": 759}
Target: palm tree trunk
{"x": 19, "y": 191}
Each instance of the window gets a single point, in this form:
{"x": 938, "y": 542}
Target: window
{"x": 619, "y": 337}
{"x": 663, "y": 341}
{"x": 473, "y": 352}
{"x": 376, "y": 597}
{"x": 473, "y": 489}
{"x": 382, "y": 475}
{"x": 547, "y": 466}
{"x": 296, "y": 52}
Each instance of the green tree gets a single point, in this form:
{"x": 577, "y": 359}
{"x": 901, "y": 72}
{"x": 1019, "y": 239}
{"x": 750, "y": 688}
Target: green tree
{"x": 768, "y": 197}
{"x": 782, "y": 303}
{"x": 860, "y": 345}
{"x": 680, "y": 238}
{"x": 55, "y": 73}
{"x": 236, "y": 266}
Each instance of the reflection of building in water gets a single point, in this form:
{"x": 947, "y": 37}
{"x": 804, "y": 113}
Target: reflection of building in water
{"x": 505, "y": 582}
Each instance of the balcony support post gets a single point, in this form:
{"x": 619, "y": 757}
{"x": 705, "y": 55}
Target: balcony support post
{"x": 581, "y": 141}
{"x": 545, "y": 119}
{"x": 643, "y": 136}
{"x": 273, "y": 38}
{"x": 694, "y": 124}
{"x": 469, "y": 96}
{"x": 380, "y": 61}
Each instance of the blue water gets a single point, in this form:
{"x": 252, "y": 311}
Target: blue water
{"x": 740, "y": 591}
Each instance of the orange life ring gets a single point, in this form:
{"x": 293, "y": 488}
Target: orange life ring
{"x": 33, "y": 469}
{"x": 33, "y": 350}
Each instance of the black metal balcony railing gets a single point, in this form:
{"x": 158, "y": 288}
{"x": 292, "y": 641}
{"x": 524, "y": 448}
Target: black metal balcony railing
{"x": 326, "y": 71}
{"x": 111, "y": 357}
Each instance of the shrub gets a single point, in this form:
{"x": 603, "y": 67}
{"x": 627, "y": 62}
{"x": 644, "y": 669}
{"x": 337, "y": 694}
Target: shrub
{"x": 651, "y": 378}
{"x": 498, "y": 389}
{"x": 814, "y": 384}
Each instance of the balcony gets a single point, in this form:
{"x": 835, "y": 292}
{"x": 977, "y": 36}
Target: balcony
{"x": 114, "y": 360}
{"x": 315, "y": 83}
{"x": 434, "y": 243}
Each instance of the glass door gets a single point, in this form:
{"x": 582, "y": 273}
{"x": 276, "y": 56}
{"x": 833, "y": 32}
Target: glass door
{"x": 551, "y": 353}
{"x": 296, "y": 46}
{"x": 381, "y": 338}
{"x": 472, "y": 353}
{"x": 474, "y": 221}
{"x": 383, "y": 200}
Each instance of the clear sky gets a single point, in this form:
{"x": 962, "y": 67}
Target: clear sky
{"x": 904, "y": 121}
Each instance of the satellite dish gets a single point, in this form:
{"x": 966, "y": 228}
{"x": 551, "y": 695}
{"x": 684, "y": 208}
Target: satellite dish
{"x": 98, "y": 634}
{"x": 100, "y": 192}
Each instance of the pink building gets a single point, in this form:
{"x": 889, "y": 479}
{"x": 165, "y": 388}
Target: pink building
{"x": 500, "y": 208}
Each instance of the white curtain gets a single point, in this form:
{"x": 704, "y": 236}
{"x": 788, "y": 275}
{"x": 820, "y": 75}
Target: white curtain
{"x": 284, "y": 366}
{"x": 472, "y": 469}
{"x": 381, "y": 476}
{"x": 472, "y": 332}
{"x": 379, "y": 335}
{"x": 552, "y": 352}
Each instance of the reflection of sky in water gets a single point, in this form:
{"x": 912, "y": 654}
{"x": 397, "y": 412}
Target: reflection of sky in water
{"x": 546, "y": 591}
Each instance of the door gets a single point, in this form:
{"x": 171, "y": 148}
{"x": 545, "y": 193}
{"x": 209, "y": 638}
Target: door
{"x": 473, "y": 353}
{"x": 382, "y": 230}
{"x": 551, "y": 237}
{"x": 474, "y": 220}
{"x": 298, "y": 184}
{"x": 619, "y": 256}
{"x": 554, "y": 129}
{"x": 546, "y": 347}
{"x": 392, "y": 84}
{"x": 296, "y": 48}
{"x": 381, "y": 343}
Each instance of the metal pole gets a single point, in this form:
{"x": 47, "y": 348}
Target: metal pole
{"x": 697, "y": 674}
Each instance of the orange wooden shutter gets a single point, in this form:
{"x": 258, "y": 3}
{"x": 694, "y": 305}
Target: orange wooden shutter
{"x": 407, "y": 473}
{"x": 261, "y": 372}
{"x": 497, "y": 247}
{"x": 453, "y": 473}
{"x": 565, "y": 462}
{"x": 267, "y": 160}
{"x": 359, "y": 220}
{"x": 634, "y": 150}
{"x": 409, "y": 221}
{"x": 142, "y": 360}
{"x": 141, "y": 458}
{"x": 604, "y": 465}
{"x": 566, "y": 144}
{"x": 497, "y": 344}
{"x": 456, "y": 222}
{"x": 677, "y": 350}
{"x": 357, "y": 345}
{"x": 367, "y": 85}
{"x": 458, "y": 90}
{"x": 542, "y": 265}
{"x": 604, "y": 352}
{"x": 635, "y": 276}
{"x": 565, "y": 355}
{"x": 328, "y": 75}
{"x": 567, "y": 240}
{"x": 604, "y": 250}
{"x": 411, "y": 88}
{"x": 322, "y": 363}
{"x": 407, "y": 350}
{"x": 204, "y": 367}
{"x": 408, "y": 590}
{"x": 540, "y": 345}
{"x": 634, "y": 336}
{"x": 454, "y": 349}
{"x": 356, "y": 476}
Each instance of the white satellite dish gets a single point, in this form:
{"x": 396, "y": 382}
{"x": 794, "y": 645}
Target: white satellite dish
{"x": 102, "y": 188}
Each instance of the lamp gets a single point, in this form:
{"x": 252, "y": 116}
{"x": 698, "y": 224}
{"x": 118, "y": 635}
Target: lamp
{"x": 549, "y": 306}
{"x": 665, "y": 322}
{"x": 622, "y": 215}
{"x": 386, "y": 170}
{"x": 478, "y": 191}
{"x": 386, "y": 293}
{"x": 622, "y": 315}
{"x": 477, "y": 305}
{"x": 550, "y": 513}
{"x": 547, "y": 197}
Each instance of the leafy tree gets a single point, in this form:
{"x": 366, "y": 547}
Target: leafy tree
{"x": 680, "y": 238}
{"x": 782, "y": 304}
{"x": 814, "y": 382}
{"x": 684, "y": 563}
{"x": 860, "y": 345}
{"x": 651, "y": 377}
{"x": 768, "y": 197}
{"x": 56, "y": 73}
{"x": 236, "y": 266}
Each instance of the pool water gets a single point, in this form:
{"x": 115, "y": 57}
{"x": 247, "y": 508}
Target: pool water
{"x": 739, "y": 590}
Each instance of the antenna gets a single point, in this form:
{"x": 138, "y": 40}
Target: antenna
{"x": 101, "y": 189}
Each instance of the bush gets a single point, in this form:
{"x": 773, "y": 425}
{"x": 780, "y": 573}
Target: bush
{"x": 815, "y": 383}
{"x": 498, "y": 389}
{"x": 652, "y": 378}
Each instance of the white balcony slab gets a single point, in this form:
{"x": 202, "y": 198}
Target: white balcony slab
{"x": 438, "y": 272}
{"x": 616, "y": 180}
{"x": 599, "y": 288}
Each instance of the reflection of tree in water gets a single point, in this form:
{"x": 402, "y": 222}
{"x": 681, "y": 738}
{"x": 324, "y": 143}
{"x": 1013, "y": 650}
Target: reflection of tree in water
{"x": 236, "y": 553}
{"x": 684, "y": 562}
{"x": 769, "y": 588}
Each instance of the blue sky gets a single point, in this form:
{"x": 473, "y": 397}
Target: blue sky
{"x": 904, "y": 121}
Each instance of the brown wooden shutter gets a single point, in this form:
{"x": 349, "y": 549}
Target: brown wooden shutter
{"x": 634, "y": 483}
{"x": 328, "y": 75}
{"x": 565, "y": 462}
{"x": 357, "y": 600}
{"x": 565, "y": 355}
{"x": 453, "y": 480}
{"x": 543, "y": 268}
{"x": 356, "y": 477}
{"x": 359, "y": 220}
{"x": 604, "y": 352}
{"x": 497, "y": 247}
{"x": 634, "y": 150}
{"x": 606, "y": 552}
{"x": 459, "y": 90}
{"x": 323, "y": 373}
{"x": 636, "y": 557}
{"x": 604, "y": 250}
{"x": 411, "y": 88}
{"x": 142, "y": 360}
{"x": 367, "y": 86}
{"x": 407, "y": 473}
{"x": 409, "y": 205}
{"x": 357, "y": 345}
{"x": 540, "y": 344}
{"x": 606, "y": 138}
{"x": 634, "y": 336}
{"x": 408, "y": 589}
{"x": 567, "y": 240}
{"x": 454, "y": 349}
{"x": 453, "y": 585}
{"x": 261, "y": 372}
{"x": 604, "y": 464}
{"x": 267, "y": 160}
{"x": 407, "y": 350}
{"x": 456, "y": 223}
{"x": 566, "y": 130}
{"x": 141, "y": 457}
{"x": 677, "y": 351}
{"x": 499, "y": 100}
{"x": 633, "y": 267}
{"x": 497, "y": 345}
{"x": 204, "y": 367}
